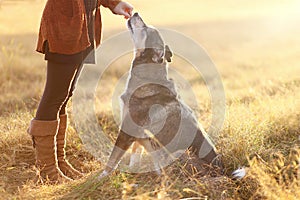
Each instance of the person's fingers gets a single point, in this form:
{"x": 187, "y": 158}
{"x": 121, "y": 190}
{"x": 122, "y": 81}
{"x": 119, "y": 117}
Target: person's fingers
{"x": 125, "y": 14}
{"x": 124, "y": 8}
{"x": 129, "y": 10}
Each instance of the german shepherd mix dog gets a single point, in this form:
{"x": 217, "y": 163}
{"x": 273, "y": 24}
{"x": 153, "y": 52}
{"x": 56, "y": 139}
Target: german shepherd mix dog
{"x": 153, "y": 115}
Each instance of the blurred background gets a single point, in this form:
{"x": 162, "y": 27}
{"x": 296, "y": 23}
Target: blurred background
{"x": 257, "y": 34}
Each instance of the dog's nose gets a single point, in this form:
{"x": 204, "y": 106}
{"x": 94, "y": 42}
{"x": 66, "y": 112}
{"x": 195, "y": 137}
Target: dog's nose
{"x": 136, "y": 14}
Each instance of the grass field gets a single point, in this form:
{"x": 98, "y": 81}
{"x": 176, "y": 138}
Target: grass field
{"x": 255, "y": 46}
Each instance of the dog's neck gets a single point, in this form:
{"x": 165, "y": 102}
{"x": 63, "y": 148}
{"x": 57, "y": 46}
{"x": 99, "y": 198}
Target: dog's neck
{"x": 149, "y": 71}
{"x": 137, "y": 62}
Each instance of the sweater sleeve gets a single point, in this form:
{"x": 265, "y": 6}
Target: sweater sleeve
{"x": 111, "y": 4}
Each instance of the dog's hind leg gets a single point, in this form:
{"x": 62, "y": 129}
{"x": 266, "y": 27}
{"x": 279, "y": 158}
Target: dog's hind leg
{"x": 124, "y": 141}
{"x": 205, "y": 150}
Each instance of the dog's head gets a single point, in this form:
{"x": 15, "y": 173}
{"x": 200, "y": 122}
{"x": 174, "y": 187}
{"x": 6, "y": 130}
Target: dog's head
{"x": 149, "y": 45}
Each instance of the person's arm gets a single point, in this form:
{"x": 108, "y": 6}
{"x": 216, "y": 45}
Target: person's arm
{"x": 118, "y": 7}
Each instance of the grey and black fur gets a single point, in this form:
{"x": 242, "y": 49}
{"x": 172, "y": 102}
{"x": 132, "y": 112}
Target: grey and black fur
{"x": 148, "y": 85}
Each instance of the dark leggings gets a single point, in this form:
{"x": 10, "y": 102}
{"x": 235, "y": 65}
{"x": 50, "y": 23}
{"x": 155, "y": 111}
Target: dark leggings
{"x": 60, "y": 85}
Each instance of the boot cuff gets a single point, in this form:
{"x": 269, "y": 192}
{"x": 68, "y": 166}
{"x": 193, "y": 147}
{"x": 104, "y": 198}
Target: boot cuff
{"x": 43, "y": 128}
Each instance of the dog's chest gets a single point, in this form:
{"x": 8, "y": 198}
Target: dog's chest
{"x": 148, "y": 80}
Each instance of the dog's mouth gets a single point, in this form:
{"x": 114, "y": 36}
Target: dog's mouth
{"x": 135, "y": 22}
{"x": 149, "y": 45}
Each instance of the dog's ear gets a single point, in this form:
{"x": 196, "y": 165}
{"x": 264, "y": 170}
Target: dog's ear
{"x": 158, "y": 55}
{"x": 168, "y": 53}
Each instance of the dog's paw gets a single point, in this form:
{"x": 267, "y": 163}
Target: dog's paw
{"x": 239, "y": 173}
{"x": 135, "y": 160}
{"x": 103, "y": 175}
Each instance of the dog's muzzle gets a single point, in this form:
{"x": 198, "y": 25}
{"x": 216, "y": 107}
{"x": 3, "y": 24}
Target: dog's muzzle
{"x": 135, "y": 22}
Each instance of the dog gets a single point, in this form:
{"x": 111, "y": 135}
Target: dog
{"x": 152, "y": 114}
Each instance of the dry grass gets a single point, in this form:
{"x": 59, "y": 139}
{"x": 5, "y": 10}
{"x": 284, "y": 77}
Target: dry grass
{"x": 258, "y": 59}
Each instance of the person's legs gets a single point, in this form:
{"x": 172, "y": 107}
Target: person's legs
{"x": 58, "y": 85}
{"x": 44, "y": 127}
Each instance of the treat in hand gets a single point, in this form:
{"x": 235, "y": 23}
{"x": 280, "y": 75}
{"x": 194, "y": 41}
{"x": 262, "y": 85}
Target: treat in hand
{"x": 123, "y": 8}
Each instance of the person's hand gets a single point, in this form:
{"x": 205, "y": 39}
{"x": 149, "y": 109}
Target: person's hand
{"x": 124, "y": 9}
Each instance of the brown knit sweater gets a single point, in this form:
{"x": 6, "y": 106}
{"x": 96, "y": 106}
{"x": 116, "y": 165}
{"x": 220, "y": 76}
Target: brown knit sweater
{"x": 64, "y": 26}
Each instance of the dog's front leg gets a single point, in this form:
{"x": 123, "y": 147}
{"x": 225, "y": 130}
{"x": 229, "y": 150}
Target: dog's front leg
{"x": 123, "y": 143}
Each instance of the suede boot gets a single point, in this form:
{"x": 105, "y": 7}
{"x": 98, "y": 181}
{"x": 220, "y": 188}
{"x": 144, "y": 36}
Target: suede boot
{"x": 63, "y": 164}
{"x": 44, "y": 141}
